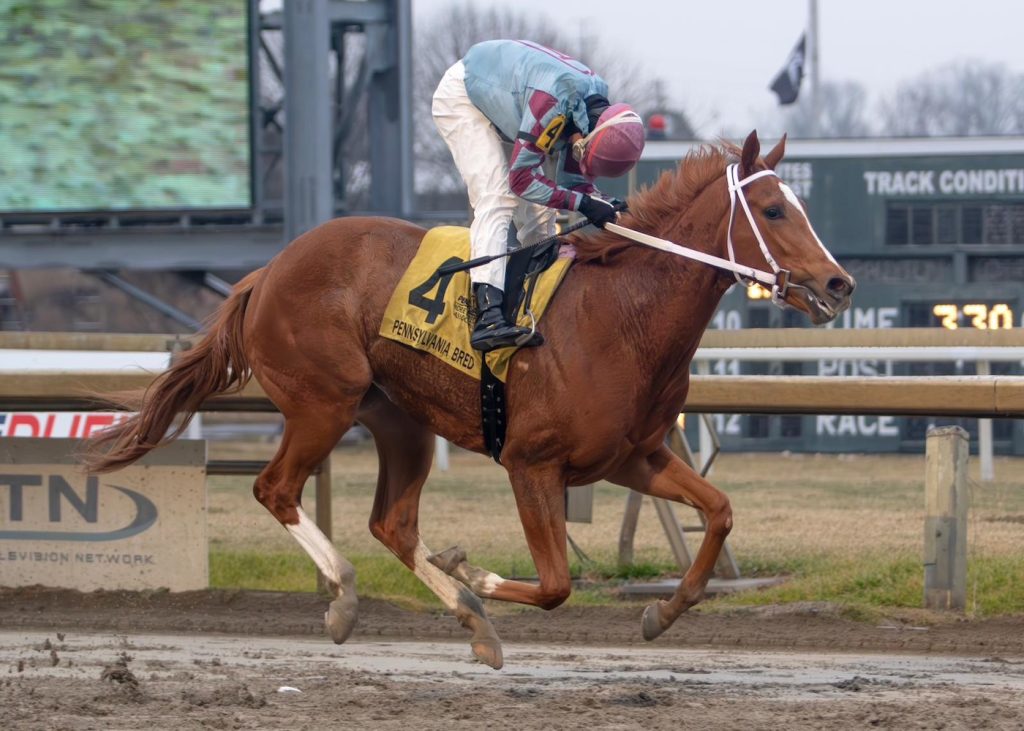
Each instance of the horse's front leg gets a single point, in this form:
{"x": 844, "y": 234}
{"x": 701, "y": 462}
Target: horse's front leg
{"x": 662, "y": 474}
{"x": 406, "y": 452}
{"x": 540, "y": 498}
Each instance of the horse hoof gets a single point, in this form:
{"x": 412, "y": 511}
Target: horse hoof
{"x": 449, "y": 559}
{"x": 340, "y": 617}
{"x": 488, "y": 651}
{"x": 650, "y": 624}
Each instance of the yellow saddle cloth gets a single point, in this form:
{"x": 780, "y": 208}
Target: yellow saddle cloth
{"x": 436, "y": 314}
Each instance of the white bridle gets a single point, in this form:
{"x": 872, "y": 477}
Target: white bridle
{"x": 781, "y": 280}
{"x": 778, "y": 279}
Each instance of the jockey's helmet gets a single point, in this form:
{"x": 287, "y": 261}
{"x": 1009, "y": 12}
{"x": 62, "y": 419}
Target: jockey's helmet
{"x": 613, "y": 146}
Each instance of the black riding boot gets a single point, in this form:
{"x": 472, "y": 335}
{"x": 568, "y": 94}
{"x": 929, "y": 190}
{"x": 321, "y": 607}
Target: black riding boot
{"x": 492, "y": 330}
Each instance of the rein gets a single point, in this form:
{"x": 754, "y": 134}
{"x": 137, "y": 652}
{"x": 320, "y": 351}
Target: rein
{"x": 778, "y": 279}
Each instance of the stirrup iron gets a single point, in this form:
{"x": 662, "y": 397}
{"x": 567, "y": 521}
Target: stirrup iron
{"x": 526, "y": 337}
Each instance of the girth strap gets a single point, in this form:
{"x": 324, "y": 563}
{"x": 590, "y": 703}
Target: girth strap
{"x": 494, "y": 416}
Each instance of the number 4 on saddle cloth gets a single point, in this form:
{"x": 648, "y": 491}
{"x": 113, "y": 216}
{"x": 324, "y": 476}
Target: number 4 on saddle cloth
{"x": 435, "y": 313}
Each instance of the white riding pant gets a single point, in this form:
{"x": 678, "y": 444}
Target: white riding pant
{"x": 482, "y": 159}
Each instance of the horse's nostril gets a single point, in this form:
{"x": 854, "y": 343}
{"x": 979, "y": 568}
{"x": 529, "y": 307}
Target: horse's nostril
{"x": 839, "y": 286}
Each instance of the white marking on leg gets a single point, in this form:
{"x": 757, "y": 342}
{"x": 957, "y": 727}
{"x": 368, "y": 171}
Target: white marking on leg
{"x": 791, "y": 197}
{"x": 486, "y": 583}
{"x": 471, "y": 615}
{"x": 444, "y": 586}
{"x": 480, "y": 581}
{"x": 332, "y": 564}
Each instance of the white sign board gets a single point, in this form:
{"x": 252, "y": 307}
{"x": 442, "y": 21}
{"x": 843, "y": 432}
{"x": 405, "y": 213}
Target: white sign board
{"x": 143, "y": 527}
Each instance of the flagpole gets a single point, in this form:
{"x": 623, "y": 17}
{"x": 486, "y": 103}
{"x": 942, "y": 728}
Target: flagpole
{"x": 812, "y": 38}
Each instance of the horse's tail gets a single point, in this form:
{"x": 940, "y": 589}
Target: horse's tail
{"x": 216, "y": 365}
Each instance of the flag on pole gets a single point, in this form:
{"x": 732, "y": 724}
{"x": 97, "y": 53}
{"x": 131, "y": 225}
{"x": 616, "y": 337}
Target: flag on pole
{"x": 787, "y": 83}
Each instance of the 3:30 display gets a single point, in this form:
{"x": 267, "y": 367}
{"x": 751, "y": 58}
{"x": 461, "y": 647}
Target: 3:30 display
{"x": 983, "y": 317}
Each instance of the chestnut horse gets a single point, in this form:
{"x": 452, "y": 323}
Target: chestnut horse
{"x": 595, "y": 402}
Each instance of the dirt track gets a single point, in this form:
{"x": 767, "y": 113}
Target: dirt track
{"x": 115, "y": 660}
{"x": 217, "y": 681}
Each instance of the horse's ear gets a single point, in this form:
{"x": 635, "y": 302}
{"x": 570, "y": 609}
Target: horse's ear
{"x": 777, "y": 153}
{"x": 751, "y": 149}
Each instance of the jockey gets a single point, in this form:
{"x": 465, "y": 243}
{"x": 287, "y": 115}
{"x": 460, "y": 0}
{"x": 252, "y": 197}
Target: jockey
{"x": 547, "y": 104}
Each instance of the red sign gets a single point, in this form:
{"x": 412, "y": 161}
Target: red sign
{"x": 74, "y": 425}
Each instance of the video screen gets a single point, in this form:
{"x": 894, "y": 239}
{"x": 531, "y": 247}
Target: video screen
{"x": 123, "y": 105}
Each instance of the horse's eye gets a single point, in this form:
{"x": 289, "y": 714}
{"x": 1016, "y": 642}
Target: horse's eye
{"x": 773, "y": 212}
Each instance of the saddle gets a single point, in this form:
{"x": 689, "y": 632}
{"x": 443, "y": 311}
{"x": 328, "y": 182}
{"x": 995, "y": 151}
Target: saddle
{"x": 432, "y": 310}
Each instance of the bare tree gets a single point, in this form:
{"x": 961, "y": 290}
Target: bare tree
{"x": 448, "y": 35}
{"x": 963, "y": 98}
{"x": 842, "y": 110}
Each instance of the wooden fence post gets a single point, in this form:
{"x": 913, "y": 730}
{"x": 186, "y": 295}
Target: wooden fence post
{"x": 985, "y": 464}
{"x": 945, "y": 525}
{"x": 628, "y": 531}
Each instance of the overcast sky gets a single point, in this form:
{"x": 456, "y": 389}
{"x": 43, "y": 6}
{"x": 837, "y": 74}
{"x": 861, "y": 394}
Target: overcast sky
{"x": 719, "y": 56}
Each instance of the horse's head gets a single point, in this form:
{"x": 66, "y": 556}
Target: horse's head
{"x": 817, "y": 284}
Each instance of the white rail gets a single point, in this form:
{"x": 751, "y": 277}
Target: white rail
{"x": 917, "y": 354}
{"x": 981, "y": 356}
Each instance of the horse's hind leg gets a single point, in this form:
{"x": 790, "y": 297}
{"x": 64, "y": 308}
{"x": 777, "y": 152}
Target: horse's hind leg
{"x": 662, "y": 474}
{"x": 309, "y": 436}
{"x": 406, "y": 451}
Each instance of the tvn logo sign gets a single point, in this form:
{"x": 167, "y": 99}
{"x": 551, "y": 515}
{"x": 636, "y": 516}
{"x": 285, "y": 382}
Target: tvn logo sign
{"x": 47, "y": 507}
{"x": 141, "y": 528}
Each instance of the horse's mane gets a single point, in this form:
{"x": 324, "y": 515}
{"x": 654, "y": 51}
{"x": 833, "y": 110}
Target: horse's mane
{"x": 667, "y": 198}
